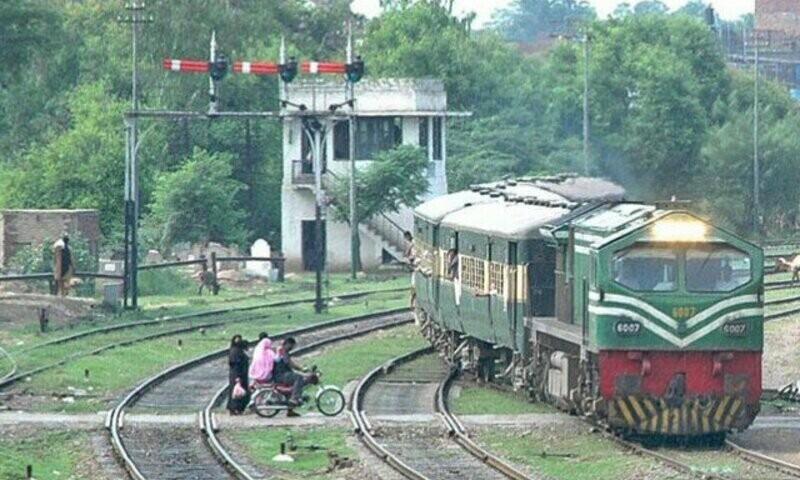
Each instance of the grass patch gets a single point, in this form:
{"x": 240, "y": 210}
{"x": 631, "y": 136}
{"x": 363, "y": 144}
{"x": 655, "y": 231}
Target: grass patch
{"x": 262, "y": 444}
{"x": 474, "y": 400}
{"x": 568, "y": 456}
{"x": 165, "y": 281}
{"x": 54, "y": 455}
{"x": 343, "y": 363}
{"x": 115, "y": 370}
{"x": 295, "y": 288}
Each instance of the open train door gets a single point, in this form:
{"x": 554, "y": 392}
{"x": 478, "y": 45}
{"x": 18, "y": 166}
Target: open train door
{"x": 542, "y": 280}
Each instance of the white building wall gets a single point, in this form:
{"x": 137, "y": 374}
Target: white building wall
{"x": 403, "y": 99}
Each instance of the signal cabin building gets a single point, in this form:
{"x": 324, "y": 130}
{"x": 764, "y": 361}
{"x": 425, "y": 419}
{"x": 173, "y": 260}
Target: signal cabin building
{"x": 389, "y": 112}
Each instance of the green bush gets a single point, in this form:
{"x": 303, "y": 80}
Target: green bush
{"x": 165, "y": 281}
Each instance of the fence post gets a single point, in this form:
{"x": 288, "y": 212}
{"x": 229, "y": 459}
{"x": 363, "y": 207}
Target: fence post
{"x": 43, "y": 320}
{"x": 215, "y": 285}
{"x": 280, "y": 266}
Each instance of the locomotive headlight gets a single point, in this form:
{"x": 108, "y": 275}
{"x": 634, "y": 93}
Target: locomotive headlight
{"x": 674, "y": 230}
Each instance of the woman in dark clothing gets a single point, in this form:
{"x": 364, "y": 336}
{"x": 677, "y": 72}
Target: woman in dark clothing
{"x": 238, "y": 363}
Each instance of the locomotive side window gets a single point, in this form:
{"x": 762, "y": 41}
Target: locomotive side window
{"x": 646, "y": 269}
{"x": 716, "y": 269}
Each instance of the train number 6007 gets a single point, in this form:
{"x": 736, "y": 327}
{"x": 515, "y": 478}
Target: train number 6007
{"x": 735, "y": 329}
{"x": 627, "y": 328}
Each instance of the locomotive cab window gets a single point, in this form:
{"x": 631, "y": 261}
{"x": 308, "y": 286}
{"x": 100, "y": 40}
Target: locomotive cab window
{"x": 646, "y": 269}
{"x": 716, "y": 269}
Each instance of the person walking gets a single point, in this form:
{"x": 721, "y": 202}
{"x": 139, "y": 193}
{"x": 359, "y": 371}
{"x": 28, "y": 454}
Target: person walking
{"x": 63, "y": 268}
{"x": 238, "y": 363}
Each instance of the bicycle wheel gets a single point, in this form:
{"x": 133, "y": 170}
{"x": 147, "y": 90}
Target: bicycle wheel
{"x": 330, "y": 401}
{"x": 266, "y": 403}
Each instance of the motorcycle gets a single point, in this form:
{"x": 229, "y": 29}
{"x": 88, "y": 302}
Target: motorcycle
{"x": 269, "y": 399}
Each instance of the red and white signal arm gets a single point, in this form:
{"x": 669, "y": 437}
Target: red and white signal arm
{"x": 315, "y": 68}
{"x": 186, "y": 66}
{"x": 256, "y": 68}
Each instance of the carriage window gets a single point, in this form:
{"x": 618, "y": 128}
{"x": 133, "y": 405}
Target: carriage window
{"x": 716, "y": 269}
{"x": 646, "y": 269}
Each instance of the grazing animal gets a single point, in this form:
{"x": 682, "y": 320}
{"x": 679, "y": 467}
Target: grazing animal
{"x": 207, "y": 279}
{"x": 793, "y": 266}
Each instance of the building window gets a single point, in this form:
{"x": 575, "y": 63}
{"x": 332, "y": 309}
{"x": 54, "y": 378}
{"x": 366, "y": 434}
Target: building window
{"x": 341, "y": 141}
{"x": 423, "y": 135}
{"x": 373, "y": 136}
{"x": 437, "y": 138}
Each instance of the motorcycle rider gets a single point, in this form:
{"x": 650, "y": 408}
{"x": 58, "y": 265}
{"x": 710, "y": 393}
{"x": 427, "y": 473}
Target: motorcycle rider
{"x": 285, "y": 372}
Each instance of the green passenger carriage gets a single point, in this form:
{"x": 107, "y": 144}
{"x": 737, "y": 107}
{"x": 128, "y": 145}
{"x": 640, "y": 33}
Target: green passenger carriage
{"x": 649, "y": 318}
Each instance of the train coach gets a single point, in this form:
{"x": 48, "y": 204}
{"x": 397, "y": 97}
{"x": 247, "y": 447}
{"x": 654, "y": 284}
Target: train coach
{"x": 646, "y": 317}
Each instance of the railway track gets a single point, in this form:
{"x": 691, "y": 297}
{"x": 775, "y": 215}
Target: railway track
{"x": 679, "y": 458}
{"x": 777, "y": 464}
{"x": 162, "y": 452}
{"x": 419, "y": 453}
{"x": 16, "y": 376}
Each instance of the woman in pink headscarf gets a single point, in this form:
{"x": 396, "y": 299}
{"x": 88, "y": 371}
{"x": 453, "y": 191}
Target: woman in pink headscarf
{"x": 263, "y": 362}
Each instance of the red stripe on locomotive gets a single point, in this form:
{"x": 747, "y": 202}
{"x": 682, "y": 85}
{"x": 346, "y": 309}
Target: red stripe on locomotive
{"x": 705, "y": 371}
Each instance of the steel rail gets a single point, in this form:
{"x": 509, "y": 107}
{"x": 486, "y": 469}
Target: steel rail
{"x": 14, "y": 365}
{"x": 363, "y": 428}
{"x": 205, "y": 313}
{"x": 602, "y": 429}
{"x": 124, "y": 343}
{"x": 781, "y": 314}
{"x": 114, "y": 416}
{"x": 781, "y": 301}
{"x": 459, "y": 434}
{"x": 15, "y": 377}
{"x": 207, "y": 421}
{"x": 762, "y": 459}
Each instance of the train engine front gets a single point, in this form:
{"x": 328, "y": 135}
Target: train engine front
{"x": 675, "y": 323}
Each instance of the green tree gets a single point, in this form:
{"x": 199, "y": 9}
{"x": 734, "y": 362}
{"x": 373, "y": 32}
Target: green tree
{"x": 81, "y": 167}
{"x": 727, "y": 158}
{"x": 196, "y": 203}
{"x": 27, "y": 29}
{"x": 650, "y": 7}
{"x": 530, "y": 20}
{"x": 394, "y": 179}
{"x": 651, "y": 101}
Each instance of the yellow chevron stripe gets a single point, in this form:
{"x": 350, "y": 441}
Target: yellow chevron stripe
{"x": 721, "y": 409}
{"x": 695, "y": 416}
{"x": 626, "y": 412}
{"x": 733, "y": 412}
{"x": 636, "y": 407}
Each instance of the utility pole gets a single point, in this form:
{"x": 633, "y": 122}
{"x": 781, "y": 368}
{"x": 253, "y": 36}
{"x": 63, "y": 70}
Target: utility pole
{"x": 355, "y": 240}
{"x": 756, "y": 166}
{"x": 586, "y": 51}
{"x": 130, "y": 284}
{"x": 315, "y": 131}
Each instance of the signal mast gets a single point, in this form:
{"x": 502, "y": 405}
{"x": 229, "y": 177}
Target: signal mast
{"x": 217, "y": 68}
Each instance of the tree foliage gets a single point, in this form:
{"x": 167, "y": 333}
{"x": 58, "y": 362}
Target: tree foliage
{"x": 395, "y": 178}
{"x": 196, "y": 203}
{"x": 531, "y": 20}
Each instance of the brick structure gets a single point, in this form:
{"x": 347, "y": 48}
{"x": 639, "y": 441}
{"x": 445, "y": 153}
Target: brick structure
{"x": 779, "y": 16}
{"x": 22, "y": 228}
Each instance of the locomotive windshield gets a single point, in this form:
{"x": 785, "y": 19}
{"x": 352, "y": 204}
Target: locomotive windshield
{"x": 716, "y": 269}
{"x": 646, "y": 269}
{"x": 708, "y": 268}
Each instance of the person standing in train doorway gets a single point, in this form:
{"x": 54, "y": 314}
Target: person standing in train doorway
{"x": 63, "y": 267}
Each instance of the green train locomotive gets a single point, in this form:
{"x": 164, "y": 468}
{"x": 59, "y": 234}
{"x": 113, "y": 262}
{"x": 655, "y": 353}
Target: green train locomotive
{"x": 648, "y": 318}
